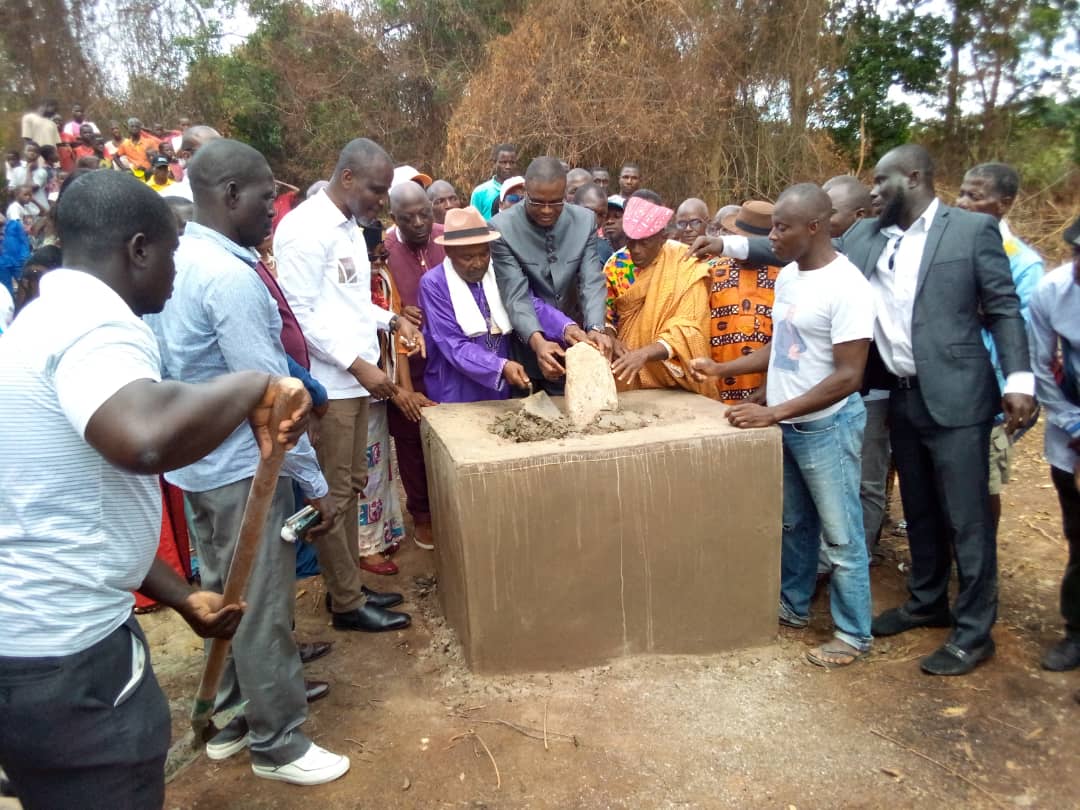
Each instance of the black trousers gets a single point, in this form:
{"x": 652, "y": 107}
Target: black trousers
{"x": 1069, "y": 499}
{"x": 944, "y": 479}
{"x": 63, "y": 742}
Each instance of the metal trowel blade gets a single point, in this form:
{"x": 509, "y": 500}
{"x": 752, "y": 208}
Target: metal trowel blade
{"x": 541, "y": 406}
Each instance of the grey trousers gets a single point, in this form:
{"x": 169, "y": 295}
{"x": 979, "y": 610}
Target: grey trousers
{"x": 875, "y": 469}
{"x": 264, "y": 666}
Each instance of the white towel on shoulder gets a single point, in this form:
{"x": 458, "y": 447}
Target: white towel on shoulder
{"x": 467, "y": 311}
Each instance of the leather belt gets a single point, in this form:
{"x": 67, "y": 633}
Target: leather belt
{"x": 903, "y": 383}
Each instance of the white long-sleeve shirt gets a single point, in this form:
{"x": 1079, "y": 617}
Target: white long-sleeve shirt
{"x": 324, "y": 271}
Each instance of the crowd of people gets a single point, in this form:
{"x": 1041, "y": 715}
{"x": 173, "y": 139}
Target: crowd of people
{"x": 176, "y": 281}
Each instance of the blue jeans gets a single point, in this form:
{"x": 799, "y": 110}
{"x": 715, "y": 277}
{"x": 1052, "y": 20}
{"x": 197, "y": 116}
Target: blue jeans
{"x": 822, "y": 469}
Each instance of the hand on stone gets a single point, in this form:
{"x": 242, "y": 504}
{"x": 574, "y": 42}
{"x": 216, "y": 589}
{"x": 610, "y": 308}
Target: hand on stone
{"x": 701, "y": 368}
{"x": 604, "y": 343}
{"x": 574, "y": 334}
{"x": 547, "y": 355}
{"x": 750, "y": 415}
{"x": 514, "y": 373}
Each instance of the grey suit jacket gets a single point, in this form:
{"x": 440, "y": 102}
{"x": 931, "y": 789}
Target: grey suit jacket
{"x": 560, "y": 264}
{"x": 964, "y": 284}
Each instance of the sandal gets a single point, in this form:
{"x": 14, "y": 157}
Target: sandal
{"x": 820, "y": 656}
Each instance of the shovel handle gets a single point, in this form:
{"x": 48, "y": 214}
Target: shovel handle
{"x": 290, "y": 396}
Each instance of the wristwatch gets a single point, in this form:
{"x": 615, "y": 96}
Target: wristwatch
{"x": 394, "y": 323}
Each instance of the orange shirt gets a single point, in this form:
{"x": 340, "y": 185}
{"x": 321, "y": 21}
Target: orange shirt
{"x": 136, "y": 152}
{"x": 740, "y": 319}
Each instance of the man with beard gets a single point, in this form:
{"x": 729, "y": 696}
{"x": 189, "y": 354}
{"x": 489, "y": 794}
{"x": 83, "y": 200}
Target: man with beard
{"x": 938, "y": 275}
{"x": 413, "y": 250}
{"x": 221, "y": 319}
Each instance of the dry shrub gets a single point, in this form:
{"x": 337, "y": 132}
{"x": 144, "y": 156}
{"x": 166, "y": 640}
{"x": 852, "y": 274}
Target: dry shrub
{"x": 665, "y": 84}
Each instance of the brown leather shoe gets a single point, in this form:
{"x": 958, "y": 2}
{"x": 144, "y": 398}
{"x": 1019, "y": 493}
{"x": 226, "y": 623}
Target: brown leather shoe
{"x": 316, "y": 690}
{"x": 309, "y": 651}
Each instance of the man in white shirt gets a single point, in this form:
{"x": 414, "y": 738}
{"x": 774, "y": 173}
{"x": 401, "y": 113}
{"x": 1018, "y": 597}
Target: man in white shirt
{"x": 31, "y": 173}
{"x": 324, "y": 272}
{"x": 939, "y": 275}
{"x": 822, "y": 325}
{"x": 83, "y": 722}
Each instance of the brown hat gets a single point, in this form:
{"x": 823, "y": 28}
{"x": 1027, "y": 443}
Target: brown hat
{"x": 465, "y": 226}
{"x": 754, "y": 218}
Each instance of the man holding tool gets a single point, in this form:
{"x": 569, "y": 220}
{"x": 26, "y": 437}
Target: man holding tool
{"x": 220, "y": 319}
{"x": 83, "y": 722}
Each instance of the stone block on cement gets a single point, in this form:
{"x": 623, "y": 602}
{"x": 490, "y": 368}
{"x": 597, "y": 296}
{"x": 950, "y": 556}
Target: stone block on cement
{"x": 590, "y": 385}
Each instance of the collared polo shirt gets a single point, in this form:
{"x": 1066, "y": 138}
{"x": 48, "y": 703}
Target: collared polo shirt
{"x": 77, "y": 534}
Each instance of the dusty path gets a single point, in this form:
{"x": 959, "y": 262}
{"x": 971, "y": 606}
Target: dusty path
{"x": 760, "y": 728}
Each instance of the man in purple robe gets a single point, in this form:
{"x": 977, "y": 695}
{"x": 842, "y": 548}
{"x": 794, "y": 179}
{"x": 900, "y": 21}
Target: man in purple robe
{"x": 466, "y": 326}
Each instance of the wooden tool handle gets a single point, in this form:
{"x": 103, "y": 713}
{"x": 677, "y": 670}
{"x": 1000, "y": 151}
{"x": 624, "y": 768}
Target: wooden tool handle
{"x": 289, "y": 397}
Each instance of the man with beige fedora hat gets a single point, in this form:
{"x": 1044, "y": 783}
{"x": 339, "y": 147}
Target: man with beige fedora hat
{"x": 740, "y": 302}
{"x": 466, "y": 324}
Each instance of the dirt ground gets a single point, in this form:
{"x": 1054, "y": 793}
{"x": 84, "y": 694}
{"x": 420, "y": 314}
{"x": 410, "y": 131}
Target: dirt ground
{"x": 757, "y": 728}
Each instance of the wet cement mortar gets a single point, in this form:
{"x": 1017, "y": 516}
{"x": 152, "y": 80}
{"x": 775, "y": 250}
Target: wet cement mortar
{"x": 754, "y": 728}
{"x": 519, "y": 426}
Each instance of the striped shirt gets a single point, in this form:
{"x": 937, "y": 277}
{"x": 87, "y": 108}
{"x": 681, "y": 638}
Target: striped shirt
{"x": 77, "y": 534}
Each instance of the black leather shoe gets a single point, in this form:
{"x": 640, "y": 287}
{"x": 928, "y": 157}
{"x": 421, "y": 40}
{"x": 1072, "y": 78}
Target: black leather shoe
{"x": 898, "y": 620}
{"x": 1063, "y": 656}
{"x": 951, "y": 660}
{"x": 309, "y": 651}
{"x": 371, "y": 619}
{"x": 380, "y": 600}
{"x": 316, "y": 690}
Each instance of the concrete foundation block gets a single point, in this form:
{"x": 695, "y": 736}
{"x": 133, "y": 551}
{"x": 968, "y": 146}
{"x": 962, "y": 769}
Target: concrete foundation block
{"x": 565, "y": 553}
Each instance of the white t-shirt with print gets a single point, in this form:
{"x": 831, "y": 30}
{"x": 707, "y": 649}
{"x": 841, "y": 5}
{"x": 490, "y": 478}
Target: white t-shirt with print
{"x": 813, "y": 311}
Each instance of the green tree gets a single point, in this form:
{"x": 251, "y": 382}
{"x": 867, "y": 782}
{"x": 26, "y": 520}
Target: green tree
{"x": 902, "y": 49}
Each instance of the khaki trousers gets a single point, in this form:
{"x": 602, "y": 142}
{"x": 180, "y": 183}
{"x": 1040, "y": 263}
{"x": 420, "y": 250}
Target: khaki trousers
{"x": 342, "y": 455}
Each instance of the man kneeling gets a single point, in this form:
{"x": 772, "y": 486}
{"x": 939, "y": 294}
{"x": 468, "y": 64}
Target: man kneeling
{"x": 823, "y": 318}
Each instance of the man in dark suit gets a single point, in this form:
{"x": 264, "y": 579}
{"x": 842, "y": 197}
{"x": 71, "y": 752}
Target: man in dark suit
{"x": 549, "y": 246}
{"x": 939, "y": 274}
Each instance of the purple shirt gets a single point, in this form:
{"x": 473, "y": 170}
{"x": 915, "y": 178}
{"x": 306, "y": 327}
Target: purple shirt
{"x": 464, "y": 369}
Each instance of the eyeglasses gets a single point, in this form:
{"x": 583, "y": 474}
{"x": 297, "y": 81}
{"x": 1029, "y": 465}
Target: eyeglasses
{"x": 540, "y": 204}
{"x": 514, "y": 198}
{"x": 683, "y": 224}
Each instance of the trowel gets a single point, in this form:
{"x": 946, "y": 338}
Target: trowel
{"x": 539, "y": 404}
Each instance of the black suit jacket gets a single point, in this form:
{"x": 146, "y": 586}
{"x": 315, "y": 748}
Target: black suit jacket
{"x": 964, "y": 283}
